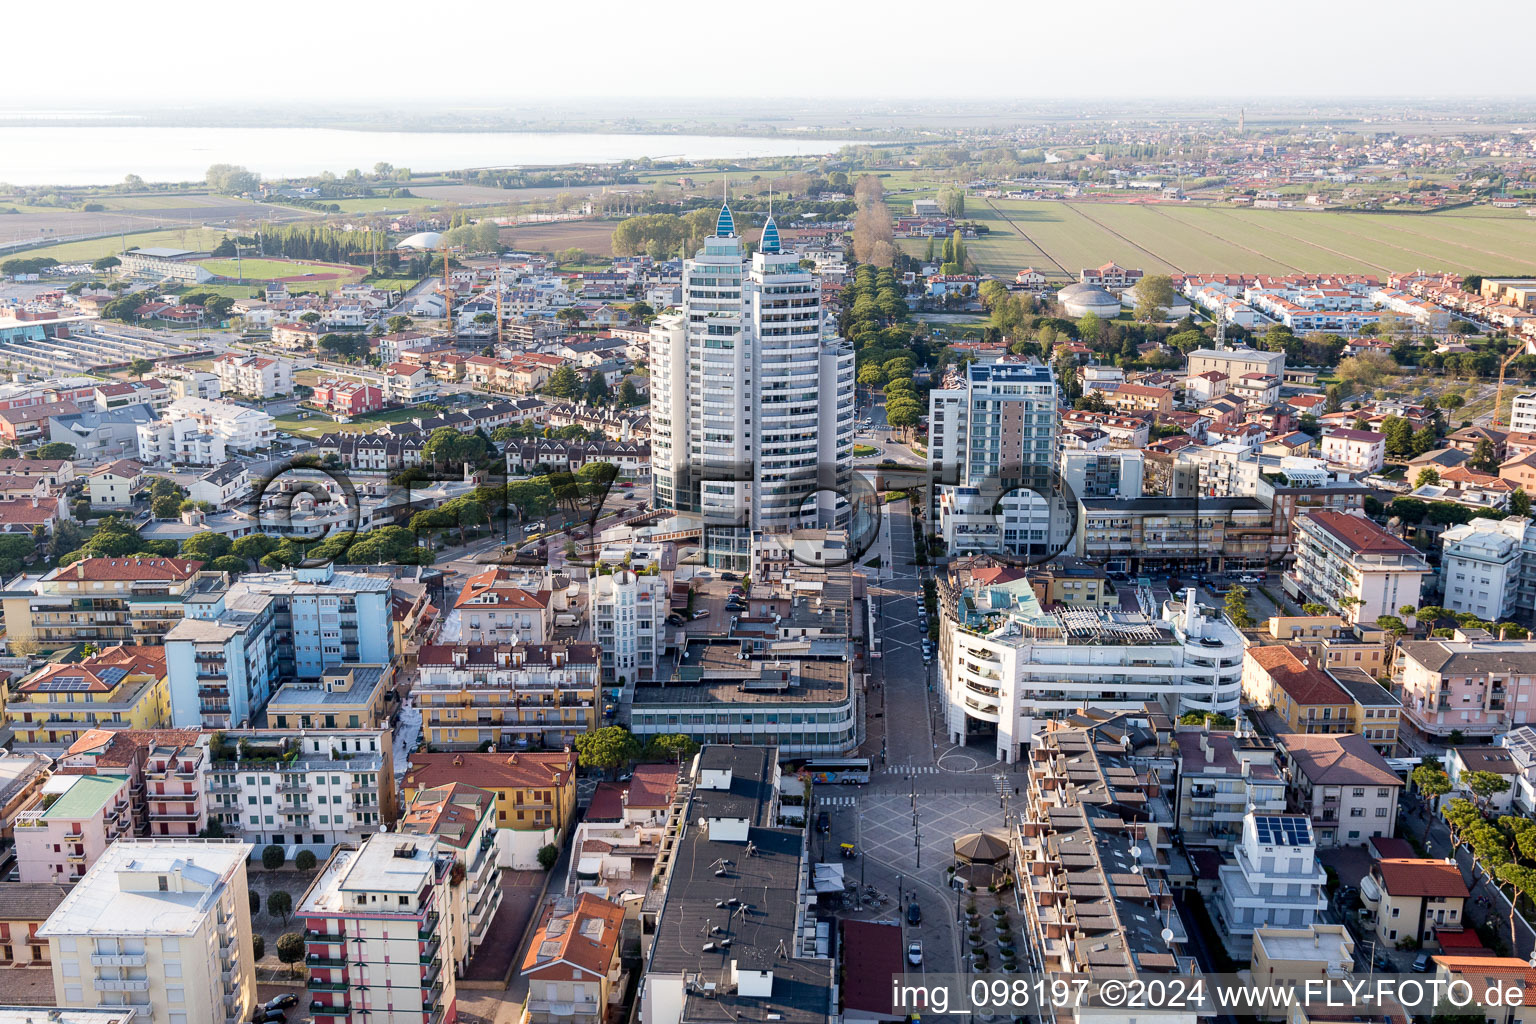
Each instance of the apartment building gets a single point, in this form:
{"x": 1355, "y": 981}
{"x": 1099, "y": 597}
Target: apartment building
{"x": 800, "y": 694}
{"x": 236, "y": 645}
{"x": 1333, "y": 643}
{"x": 512, "y": 696}
{"x": 1376, "y": 713}
{"x": 254, "y": 376}
{"x": 1160, "y": 534}
{"x": 1410, "y": 899}
{"x": 118, "y": 688}
{"x": 409, "y": 384}
{"x": 1220, "y": 776}
{"x": 628, "y": 614}
{"x": 103, "y": 601}
{"x": 1363, "y": 450}
{"x": 1495, "y": 760}
{"x": 572, "y": 966}
{"x": 1292, "y": 957}
{"x": 1354, "y": 567}
{"x": 1469, "y": 682}
{"x": 161, "y": 926}
{"x": 24, "y": 908}
{"x": 1275, "y": 880}
{"x": 115, "y": 484}
{"x": 312, "y": 790}
{"x": 68, "y": 825}
{"x": 1102, "y": 474}
{"x": 535, "y": 791}
{"x": 1342, "y": 784}
{"x": 344, "y": 697}
{"x": 1093, "y": 847}
{"x": 1306, "y": 697}
{"x": 1488, "y": 567}
{"x": 992, "y": 437}
{"x": 376, "y": 933}
{"x": 464, "y": 819}
{"x": 163, "y": 770}
{"x": 498, "y": 606}
{"x": 772, "y": 967}
{"x": 1007, "y": 668}
{"x": 183, "y": 441}
{"x": 1234, "y": 362}
{"x": 236, "y": 427}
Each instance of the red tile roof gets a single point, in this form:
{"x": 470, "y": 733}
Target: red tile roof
{"x": 1304, "y": 684}
{"x": 1414, "y": 876}
{"x": 491, "y": 770}
{"x": 586, "y": 937}
{"x": 176, "y": 569}
{"x": 1358, "y": 533}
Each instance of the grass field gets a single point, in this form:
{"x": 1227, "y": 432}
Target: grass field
{"x": 318, "y": 424}
{"x": 196, "y": 239}
{"x": 402, "y": 284}
{"x": 1062, "y": 238}
{"x": 321, "y": 277}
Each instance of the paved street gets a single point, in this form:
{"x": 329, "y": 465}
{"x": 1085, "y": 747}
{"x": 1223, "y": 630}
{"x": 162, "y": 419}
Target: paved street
{"x": 921, "y": 789}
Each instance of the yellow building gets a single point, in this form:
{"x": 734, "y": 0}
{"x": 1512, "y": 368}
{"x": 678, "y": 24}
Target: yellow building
{"x": 102, "y": 601}
{"x": 534, "y": 790}
{"x": 344, "y": 697}
{"x": 119, "y": 688}
{"x": 1309, "y": 701}
{"x": 1291, "y": 956}
{"x": 507, "y": 695}
{"x": 1336, "y": 643}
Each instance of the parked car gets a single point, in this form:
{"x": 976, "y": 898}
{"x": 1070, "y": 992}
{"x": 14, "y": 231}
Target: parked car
{"x": 270, "y": 1017}
{"x": 675, "y": 619}
{"x": 914, "y": 913}
{"x": 729, "y": 576}
{"x": 1422, "y": 963}
{"x": 1383, "y": 962}
{"x": 281, "y": 1002}
{"x": 915, "y": 954}
{"x": 702, "y": 613}
{"x": 823, "y": 822}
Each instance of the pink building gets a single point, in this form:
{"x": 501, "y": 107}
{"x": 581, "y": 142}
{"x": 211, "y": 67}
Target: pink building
{"x": 68, "y": 824}
{"x": 1469, "y": 683}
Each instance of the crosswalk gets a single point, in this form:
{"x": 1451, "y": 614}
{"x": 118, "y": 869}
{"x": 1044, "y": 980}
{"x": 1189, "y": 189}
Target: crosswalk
{"x": 919, "y": 769}
{"x": 837, "y": 801}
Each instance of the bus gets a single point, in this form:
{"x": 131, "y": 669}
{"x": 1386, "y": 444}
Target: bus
{"x": 847, "y": 771}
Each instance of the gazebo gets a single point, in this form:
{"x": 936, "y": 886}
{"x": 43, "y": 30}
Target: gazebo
{"x": 981, "y": 858}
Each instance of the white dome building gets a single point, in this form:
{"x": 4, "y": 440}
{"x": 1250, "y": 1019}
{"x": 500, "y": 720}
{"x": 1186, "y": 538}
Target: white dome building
{"x": 422, "y": 240}
{"x": 1081, "y": 299}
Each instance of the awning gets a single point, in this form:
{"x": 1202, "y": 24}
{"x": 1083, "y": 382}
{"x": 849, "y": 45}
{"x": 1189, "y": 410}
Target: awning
{"x": 829, "y": 878}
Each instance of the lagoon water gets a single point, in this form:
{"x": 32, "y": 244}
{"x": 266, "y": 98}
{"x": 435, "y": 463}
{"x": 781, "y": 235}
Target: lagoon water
{"x": 58, "y": 153}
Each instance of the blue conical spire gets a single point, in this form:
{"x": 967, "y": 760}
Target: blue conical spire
{"x": 770, "y": 236}
{"x": 770, "y": 239}
{"x": 725, "y": 226}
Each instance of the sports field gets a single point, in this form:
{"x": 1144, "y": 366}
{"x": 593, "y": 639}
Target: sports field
{"x": 322, "y": 276}
{"x": 1062, "y": 238}
{"x": 195, "y": 239}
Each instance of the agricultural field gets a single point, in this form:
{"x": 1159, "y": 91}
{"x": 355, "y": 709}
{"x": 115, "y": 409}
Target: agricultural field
{"x": 1062, "y": 238}
{"x": 595, "y": 236}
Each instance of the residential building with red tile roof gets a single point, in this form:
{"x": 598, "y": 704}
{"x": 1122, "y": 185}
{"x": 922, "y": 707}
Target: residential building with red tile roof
{"x": 495, "y": 607}
{"x": 1354, "y": 567}
{"x": 1343, "y": 784}
{"x": 509, "y": 695}
{"x": 535, "y": 790}
{"x": 1408, "y": 898}
{"x": 130, "y": 600}
{"x": 122, "y": 687}
{"x": 573, "y": 962}
{"x": 1281, "y": 677}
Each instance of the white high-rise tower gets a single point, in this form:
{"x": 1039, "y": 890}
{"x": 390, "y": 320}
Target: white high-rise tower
{"x": 752, "y": 404}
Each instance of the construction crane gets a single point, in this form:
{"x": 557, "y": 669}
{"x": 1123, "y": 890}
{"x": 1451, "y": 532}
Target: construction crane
{"x": 1527, "y": 347}
{"x": 499, "y": 339}
{"x": 447, "y": 293}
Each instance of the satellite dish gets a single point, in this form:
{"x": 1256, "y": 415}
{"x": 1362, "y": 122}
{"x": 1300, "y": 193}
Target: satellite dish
{"x": 1136, "y": 852}
{"x": 1167, "y": 934}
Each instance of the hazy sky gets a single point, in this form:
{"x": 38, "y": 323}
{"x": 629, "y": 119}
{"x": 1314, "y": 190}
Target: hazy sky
{"x": 183, "y": 52}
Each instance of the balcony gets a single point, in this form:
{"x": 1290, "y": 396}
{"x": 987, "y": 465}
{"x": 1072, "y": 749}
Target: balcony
{"x": 122, "y": 984}
{"x": 430, "y": 951}
{"x": 428, "y": 926}
{"x": 329, "y": 1009}
{"x": 118, "y": 960}
{"x": 325, "y": 986}
{"x": 299, "y": 784}
{"x": 318, "y": 936}
{"x": 580, "y": 1008}
{"x": 316, "y": 960}
{"x": 430, "y": 974}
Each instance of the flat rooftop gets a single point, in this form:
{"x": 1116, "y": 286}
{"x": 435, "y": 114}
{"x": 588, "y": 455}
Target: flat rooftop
{"x": 107, "y": 901}
{"x": 364, "y": 682}
{"x": 709, "y": 671}
{"x": 374, "y": 867}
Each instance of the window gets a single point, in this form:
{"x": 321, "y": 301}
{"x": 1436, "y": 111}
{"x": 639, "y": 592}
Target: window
{"x": 163, "y": 883}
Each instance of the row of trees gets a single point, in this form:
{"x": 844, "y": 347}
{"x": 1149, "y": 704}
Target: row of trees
{"x": 874, "y": 236}
{"x": 664, "y": 235}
